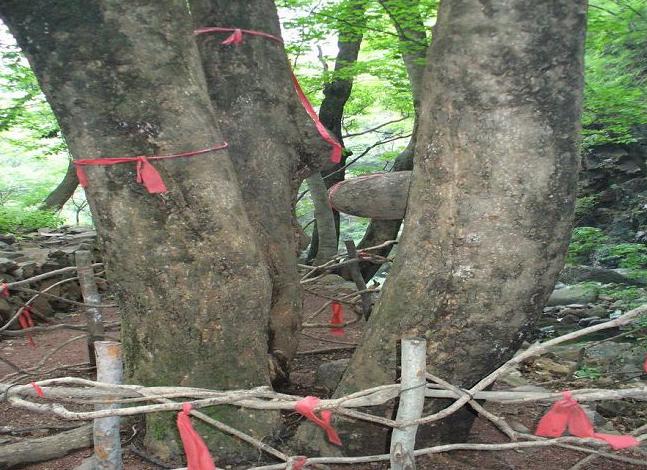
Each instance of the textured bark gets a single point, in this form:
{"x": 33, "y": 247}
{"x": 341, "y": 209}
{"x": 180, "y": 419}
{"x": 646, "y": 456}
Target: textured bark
{"x": 63, "y": 192}
{"x": 45, "y": 448}
{"x": 336, "y": 95}
{"x": 326, "y": 223}
{"x": 380, "y": 196}
{"x": 125, "y": 78}
{"x": 413, "y": 42}
{"x": 268, "y": 131}
{"x": 491, "y": 201}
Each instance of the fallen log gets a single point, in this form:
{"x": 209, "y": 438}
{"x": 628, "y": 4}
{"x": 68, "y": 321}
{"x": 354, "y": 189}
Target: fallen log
{"x": 45, "y": 448}
{"x": 380, "y": 196}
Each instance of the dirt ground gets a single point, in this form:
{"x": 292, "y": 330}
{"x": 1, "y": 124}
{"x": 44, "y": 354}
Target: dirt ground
{"x": 32, "y": 425}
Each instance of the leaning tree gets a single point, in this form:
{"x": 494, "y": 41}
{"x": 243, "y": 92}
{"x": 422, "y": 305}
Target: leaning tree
{"x": 490, "y": 204}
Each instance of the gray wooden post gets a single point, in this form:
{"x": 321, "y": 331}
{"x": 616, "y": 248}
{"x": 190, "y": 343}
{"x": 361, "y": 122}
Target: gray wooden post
{"x": 90, "y": 292}
{"x": 412, "y": 399}
{"x": 107, "y": 442}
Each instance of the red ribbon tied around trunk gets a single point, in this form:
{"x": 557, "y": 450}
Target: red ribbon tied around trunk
{"x": 146, "y": 172}
{"x": 306, "y": 408}
{"x": 197, "y": 453}
{"x": 567, "y": 413}
{"x": 4, "y": 290}
{"x": 337, "y": 318}
{"x": 39, "y": 391}
{"x": 236, "y": 38}
{"x": 26, "y": 321}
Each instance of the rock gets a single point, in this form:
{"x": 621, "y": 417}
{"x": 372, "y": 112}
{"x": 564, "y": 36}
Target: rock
{"x": 553, "y": 367}
{"x": 329, "y": 374}
{"x": 576, "y": 274}
{"x": 7, "y": 238}
{"x": 7, "y": 265}
{"x": 573, "y": 295}
{"x": 6, "y": 310}
{"x": 590, "y": 321}
{"x": 514, "y": 378}
{"x": 569, "y": 319}
{"x": 336, "y": 281}
{"x": 28, "y": 269}
{"x": 621, "y": 358}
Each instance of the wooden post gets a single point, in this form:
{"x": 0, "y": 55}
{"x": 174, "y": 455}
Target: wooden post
{"x": 91, "y": 296}
{"x": 357, "y": 277}
{"x": 107, "y": 442}
{"x": 413, "y": 385}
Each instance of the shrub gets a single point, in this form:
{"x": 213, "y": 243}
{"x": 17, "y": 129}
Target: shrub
{"x": 584, "y": 242}
{"x": 14, "y": 219}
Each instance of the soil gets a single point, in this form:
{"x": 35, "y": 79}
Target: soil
{"x": 19, "y": 352}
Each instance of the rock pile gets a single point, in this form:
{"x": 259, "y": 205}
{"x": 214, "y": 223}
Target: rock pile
{"x": 37, "y": 253}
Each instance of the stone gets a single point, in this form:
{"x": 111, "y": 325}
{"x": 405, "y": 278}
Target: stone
{"x": 575, "y": 274}
{"x": 329, "y": 374}
{"x": 573, "y": 295}
{"x": 7, "y": 265}
{"x": 7, "y": 238}
{"x": 590, "y": 321}
{"x": 621, "y": 358}
{"x": 553, "y": 367}
{"x": 28, "y": 268}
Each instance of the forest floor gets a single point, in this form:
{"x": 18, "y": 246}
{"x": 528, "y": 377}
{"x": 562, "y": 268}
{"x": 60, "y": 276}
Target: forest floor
{"x": 303, "y": 382}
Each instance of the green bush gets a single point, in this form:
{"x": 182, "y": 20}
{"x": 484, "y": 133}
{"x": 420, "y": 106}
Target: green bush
{"x": 625, "y": 255}
{"x": 584, "y": 242}
{"x": 15, "y": 219}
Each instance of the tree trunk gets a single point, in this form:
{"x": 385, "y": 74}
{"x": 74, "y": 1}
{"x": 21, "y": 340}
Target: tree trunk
{"x": 413, "y": 42}
{"x": 63, "y": 192}
{"x": 491, "y": 201}
{"x": 325, "y": 221}
{"x": 124, "y": 78}
{"x": 45, "y": 448}
{"x": 336, "y": 95}
{"x": 268, "y": 131}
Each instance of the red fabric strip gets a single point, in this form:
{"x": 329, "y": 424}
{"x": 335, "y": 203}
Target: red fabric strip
{"x": 146, "y": 173}
{"x": 4, "y": 290}
{"x": 298, "y": 463}
{"x": 337, "y": 318}
{"x": 26, "y": 321}
{"x": 237, "y": 38}
{"x": 567, "y": 413}
{"x": 196, "y": 451}
{"x": 306, "y": 408}
{"x": 39, "y": 391}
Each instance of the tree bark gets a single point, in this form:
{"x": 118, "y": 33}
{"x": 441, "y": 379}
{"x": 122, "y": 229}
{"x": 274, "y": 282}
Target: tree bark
{"x": 413, "y": 42}
{"x": 45, "y": 448}
{"x": 269, "y": 132}
{"x": 326, "y": 223}
{"x": 381, "y": 196}
{"x": 125, "y": 79}
{"x": 63, "y": 192}
{"x": 491, "y": 201}
{"x": 336, "y": 94}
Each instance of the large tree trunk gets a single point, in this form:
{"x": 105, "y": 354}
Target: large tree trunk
{"x": 413, "y": 42}
{"x": 63, "y": 192}
{"x": 268, "y": 131}
{"x": 124, "y": 78}
{"x": 336, "y": 95}
{"x": 491, "y": 201}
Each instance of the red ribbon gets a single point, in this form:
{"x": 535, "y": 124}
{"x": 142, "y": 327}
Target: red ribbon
{"x": 4, "y": 290}
{"x": 337, "y": 318}
{"x": 567, "y": 413}
{"x": 306, "y": 408}
{"x": 146, "y": 173}
{"x": 197, "y": 453}
{"x": 39, "y": 391}
{"x": 236, "y": 38}
{"x": 298, "y": 463}
{"x": 645, "y": 365}
{"x": 26, "y": 321}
